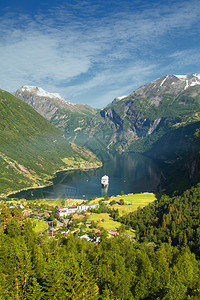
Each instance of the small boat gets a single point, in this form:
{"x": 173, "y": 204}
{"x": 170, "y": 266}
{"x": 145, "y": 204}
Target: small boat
{"x": 104, "y": 181}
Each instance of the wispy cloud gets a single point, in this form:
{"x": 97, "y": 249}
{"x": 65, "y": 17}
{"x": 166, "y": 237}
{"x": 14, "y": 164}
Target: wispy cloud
{"x": 84, "y": 48}
{"x": 111, "y": 84}
{"x": 186, "y": 57}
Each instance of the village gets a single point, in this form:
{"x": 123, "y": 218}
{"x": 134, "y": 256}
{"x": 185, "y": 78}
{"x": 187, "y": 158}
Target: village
{"x": 86, "y": 219}
{"x": 77, "y": 220}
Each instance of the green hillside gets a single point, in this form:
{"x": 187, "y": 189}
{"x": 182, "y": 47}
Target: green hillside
{"x": 174, "y": 219}
{"x": 31, "y": 149}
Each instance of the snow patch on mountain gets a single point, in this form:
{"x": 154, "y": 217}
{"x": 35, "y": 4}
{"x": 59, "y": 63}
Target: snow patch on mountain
{"x": 190, "y": 80}
{"x": 186, "y": 85}
{"x": 181, "y": 77}
{"x": 197, "y": 75}
{"x": 164, "y": 80}
{"x": 42, "y": 93}
{"x": 120, "y": 98}
{"x": 193, "y": 83}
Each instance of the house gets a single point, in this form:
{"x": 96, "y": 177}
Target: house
{"x": 85, "y": 236}
{"x": 72, "y": 209}
{"x": 82, "y": 207}
{"x": 93, "y": 205}
{"x": 66, "y": 211}
{"x": 62, "y": 211}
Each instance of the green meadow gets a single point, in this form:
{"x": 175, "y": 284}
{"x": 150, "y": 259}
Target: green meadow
{"x": 105, "y": 221}
{"x": 131, "y": 202}
{"x": 39, "y": 226}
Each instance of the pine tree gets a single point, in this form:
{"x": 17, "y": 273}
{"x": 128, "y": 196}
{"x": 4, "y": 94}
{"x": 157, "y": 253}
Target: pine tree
{"x": 34, "y": 290}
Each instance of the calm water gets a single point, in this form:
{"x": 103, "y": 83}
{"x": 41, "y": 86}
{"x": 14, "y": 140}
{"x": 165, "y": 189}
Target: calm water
{"x": 132, "y": 173}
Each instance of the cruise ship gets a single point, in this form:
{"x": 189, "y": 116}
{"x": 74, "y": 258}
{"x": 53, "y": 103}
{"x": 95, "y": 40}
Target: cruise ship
{"x": 104, "y": 181}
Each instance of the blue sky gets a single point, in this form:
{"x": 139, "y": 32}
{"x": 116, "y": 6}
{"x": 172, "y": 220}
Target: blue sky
{"x": 93, "y": 51}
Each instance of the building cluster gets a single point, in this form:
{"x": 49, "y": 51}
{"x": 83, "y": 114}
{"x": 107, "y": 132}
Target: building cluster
{"x": 66, "y": 211}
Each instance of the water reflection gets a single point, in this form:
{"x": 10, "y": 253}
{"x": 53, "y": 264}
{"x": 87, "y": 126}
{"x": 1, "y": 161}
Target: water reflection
{"x": 130, "y": 172}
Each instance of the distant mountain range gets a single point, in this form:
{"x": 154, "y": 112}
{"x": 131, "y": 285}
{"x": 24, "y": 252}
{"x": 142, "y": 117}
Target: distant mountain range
{"x": 129, "y": 123}
{"x": 32, "y": 149}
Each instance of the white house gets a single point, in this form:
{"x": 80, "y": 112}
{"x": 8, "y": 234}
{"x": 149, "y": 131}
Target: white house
{"x": 66, "y": 211}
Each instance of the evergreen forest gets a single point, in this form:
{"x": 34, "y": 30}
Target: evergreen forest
{"x": 161, "y": 263}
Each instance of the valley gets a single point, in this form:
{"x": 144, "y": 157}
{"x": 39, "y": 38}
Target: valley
{"x": 100, "y": 150}
{"x": 132, "y": 173}
{"x": 158, "y": 120}
{"x": 137, "y": 239}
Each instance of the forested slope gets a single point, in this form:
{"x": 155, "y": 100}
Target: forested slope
{"x": 33, "y": 267}
{"x": 31, "y": 149}
{"x": 169, "y": 219}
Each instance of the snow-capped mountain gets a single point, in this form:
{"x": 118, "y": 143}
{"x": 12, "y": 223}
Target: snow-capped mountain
{"x": 170, "y": 83}
{"x": 167, "y": 85}
{"x": 129, "y": 123}
{"x": 190, "y": 80}
{"x": 134, "y": 122}
{"x": 53, "y": 106}
{"x": 39, "y": 92}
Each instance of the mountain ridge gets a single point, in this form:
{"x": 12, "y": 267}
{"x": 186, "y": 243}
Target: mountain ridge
{"x": 54, "y": 107}
{"x": 133, "y": 122}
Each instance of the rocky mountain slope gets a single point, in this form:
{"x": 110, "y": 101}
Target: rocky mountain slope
{"x": 135, "y": 122}
{"x": 32, "y": 149}
{"x": 54, "y": 108}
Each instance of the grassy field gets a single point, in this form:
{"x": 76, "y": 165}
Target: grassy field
{"x": 39, "y": 226}
{"x": 57, "y": 202}
{"x": 131, "y": 202}
{"x": 105, "y": 221}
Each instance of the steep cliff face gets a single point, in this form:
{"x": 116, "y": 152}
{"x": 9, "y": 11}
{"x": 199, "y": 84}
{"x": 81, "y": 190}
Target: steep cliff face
{"x": 179, "y": 152}
{"x": 135, "y": 122}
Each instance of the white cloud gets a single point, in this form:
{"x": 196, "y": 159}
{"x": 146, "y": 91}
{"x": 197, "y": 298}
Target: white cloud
{"x": 37, "y": 57}
{"x": 113, "y": 51}
{"x": 186, "y": 57}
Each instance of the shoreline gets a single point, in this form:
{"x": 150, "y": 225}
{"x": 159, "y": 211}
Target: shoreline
{"x": 48, "y": 179}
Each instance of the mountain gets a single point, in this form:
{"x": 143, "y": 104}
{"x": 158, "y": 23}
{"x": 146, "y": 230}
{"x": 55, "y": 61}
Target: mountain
{"x": 179, "y": 149}
{"x": 54, "y": 108}
{"x": 135, "y": 122}
{"x": 130, "y": 123}
{"x": 32, "y": 149}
